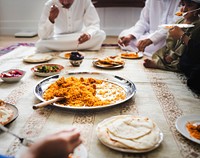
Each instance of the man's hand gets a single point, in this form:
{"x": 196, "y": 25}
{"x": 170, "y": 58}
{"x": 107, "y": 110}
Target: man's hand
{"x": 125, "y": 40}
{"x": 53, "y": 13}
{"x": 176, "y": 32}
{"x": 143, "y": 44}
{"x": 58, "y": 145}
{"x": 83, "y": 38}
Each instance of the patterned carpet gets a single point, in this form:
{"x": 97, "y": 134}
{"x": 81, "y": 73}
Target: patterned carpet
{"x": 12, "y": 47}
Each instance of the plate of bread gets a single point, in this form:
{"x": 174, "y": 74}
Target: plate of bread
{"x": 127, "y": 133}
{"x": 37, "y": 58}
{"x": 110, "y": 62}
{"x": 8, "y": 113}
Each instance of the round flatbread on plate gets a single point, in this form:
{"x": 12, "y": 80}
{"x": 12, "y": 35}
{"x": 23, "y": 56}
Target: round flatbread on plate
{"x": 8, "y": 113}
{"x": 110, "y": 62}
{"x": 37, "y": 58}
{"x": 66, "y": 55}
{"x": 130, "y": 134}
{"x": 96, "y": 63}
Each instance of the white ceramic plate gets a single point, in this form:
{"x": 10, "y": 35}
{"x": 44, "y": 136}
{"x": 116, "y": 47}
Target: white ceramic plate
{"x": 139, "y": 55}
{"x": 127, "y": 85}
{"x": 169, "y": 26}
{"x": 107, "y": 66}
{"x": 122, "y": 149}
{"x": 66, "y": 55}
{"x": 79, "y": 152}
{"x": 37, "y": 58}
{"x": 44, "y": 74}
{"x": 15, "y": 110}
{"x": 181, "y": 125}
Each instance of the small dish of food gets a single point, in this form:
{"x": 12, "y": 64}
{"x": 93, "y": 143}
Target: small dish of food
{"x": 66, "y": 55}
{"x": 189, "y": 126}
{"x": 12, "y": 75}
{"x": 76, "y": 58}
{"x": 131, "y": 55}
{"x": 47, "y": 69}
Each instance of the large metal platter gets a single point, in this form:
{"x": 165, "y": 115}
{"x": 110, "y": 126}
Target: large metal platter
{"x": 127, "y": 85}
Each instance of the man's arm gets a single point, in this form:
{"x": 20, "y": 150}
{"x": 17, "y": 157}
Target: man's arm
{"x": 45, "y": 26}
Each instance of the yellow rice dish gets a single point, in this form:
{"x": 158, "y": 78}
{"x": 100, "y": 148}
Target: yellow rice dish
{"x": 85, "y": 92}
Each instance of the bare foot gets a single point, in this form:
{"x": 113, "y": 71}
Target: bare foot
{"x": 149, "y": 64}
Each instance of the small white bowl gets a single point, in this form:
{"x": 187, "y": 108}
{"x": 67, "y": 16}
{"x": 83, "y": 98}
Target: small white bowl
{"x": 76, "y": 62}
{"x": 12, "y": 78}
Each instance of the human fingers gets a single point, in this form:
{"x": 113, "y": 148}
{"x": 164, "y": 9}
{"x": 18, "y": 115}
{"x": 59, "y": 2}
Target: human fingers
{"x": 72, "y": 140}
{"x": 143, "y": 44}
{"x": 83, "y": 38}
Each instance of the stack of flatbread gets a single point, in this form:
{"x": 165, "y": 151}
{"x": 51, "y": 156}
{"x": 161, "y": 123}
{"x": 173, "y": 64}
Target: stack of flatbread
{"x": 111, "y": 60}
{"x": 129, "y": 132}
{"x": 6, "y": 113}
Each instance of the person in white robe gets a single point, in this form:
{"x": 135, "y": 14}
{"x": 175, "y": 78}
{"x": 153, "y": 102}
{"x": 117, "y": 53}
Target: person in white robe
{"x": 147, "y": 35}
{"x": 69, "y": 25}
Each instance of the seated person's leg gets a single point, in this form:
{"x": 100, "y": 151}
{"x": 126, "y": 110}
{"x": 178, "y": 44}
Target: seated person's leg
{"x": 69, "y": 42}
{"x": 193, "y": 81}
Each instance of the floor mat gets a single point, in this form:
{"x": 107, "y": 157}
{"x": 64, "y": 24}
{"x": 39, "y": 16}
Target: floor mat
{"x": 12, "y": 47}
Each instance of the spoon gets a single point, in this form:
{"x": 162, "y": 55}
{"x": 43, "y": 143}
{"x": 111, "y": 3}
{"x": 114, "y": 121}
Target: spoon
{"x": 77, "y": 47}
{"x": 45, "y": 103}
{"x": 23, "y": 141}
{"x": 190, "y": 11}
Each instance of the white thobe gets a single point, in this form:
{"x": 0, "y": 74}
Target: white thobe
{"x": 80, "y": 18}
{"x": 155, "y": 13}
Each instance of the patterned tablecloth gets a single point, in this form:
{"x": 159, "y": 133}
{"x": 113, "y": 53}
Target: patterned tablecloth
{"x": 162, "y": 96}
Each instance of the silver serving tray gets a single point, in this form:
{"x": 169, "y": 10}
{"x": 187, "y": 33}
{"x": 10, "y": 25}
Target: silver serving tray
{"x": 126, "y": 84}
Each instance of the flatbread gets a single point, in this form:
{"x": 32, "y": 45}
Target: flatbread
{"x": 130, "y": 128}
{"x": 128, "y": 132}
{"x": 36, "y": 58}
{"x": 142, "y": 143}
{"x": 6, "y": 114}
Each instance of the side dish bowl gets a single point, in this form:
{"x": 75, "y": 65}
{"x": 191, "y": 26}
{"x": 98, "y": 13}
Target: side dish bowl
{"x": 47, "y": 69}
{"x": 12, "y": 75}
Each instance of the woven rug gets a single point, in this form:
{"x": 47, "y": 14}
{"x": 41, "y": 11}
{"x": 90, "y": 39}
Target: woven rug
{"x": 14, "y": 46}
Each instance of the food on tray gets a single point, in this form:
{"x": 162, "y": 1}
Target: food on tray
{"x": 111, "y": 60}
{"x": 129, "y": 55}
{"x": 85, "y": 91}
{"x": 11, "y": 73}
{"x": 47, "y": 68}
{"x": 129, "y": 132}
{"x": 193, "y": 129}
{"x": 179, "y": 13}
{"x": 6, "y": 113}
